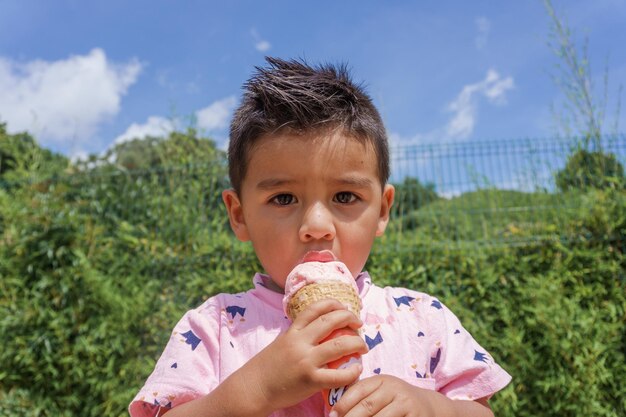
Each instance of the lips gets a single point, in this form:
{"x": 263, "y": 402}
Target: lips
{"x": 319, "y": 256}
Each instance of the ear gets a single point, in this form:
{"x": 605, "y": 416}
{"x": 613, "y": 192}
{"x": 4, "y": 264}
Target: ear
{"x": 385, "y": 207}
{"x": 235, "y": 214}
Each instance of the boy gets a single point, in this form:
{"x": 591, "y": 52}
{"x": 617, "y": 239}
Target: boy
{"x": 309, "y": 164}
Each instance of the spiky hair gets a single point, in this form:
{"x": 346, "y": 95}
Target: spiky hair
{"x": 293, "y": 95}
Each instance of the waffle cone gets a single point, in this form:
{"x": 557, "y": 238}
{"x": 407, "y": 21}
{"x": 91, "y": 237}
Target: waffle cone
{"x": 312, "y": 293}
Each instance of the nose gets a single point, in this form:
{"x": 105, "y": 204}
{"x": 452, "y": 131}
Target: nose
{"x": 317, "y": 223}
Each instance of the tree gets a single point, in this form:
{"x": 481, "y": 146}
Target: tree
{"x": 588, "y": 165}
{"x": 22, "y": 158}
{"x": 411, "y": 194}
{"x": 170, "y": 185}
{"x": 586, "y": 169}
{"x": 176, "y": 149}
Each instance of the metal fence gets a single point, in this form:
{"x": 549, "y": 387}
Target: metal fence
{"x": 452, "y": 195}
{"x": 499, "y": 192}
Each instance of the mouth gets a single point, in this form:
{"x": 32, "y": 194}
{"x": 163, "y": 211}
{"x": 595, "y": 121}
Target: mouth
{"x": 319, "y": 256}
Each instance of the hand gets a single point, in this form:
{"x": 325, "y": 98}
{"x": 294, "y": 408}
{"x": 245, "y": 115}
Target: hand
{"x": 387, "y": 396}
{"x": 293, "y": 367}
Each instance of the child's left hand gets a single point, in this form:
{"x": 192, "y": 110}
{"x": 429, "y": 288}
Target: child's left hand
{"x": 386, "y": 395}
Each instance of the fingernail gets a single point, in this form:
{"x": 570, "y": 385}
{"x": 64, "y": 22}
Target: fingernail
{"x": 333, "y": 414}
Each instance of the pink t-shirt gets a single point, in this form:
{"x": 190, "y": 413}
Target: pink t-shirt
{"x": 411, "y": 335}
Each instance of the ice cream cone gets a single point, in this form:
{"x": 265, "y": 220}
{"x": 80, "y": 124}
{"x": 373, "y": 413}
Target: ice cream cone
{"x": 310, "y": 282}
{"x": 314, "y": 281}
{"x": 312, "y": 293}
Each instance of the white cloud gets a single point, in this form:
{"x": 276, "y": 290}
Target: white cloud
{"x": 483, "y": 26}
{"x": 64, "y": 100}
{"x": 213, "y": 118}
{"x": 496, "y": 87}
{"x": 155, "y": 126}
{"x": 216, "y": 115}
{"x": 260, "y": 44}
{"x": 465, "y": 107}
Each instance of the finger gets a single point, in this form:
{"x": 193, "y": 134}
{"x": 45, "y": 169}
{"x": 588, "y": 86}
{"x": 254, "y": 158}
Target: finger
{"x": 362, "y": 398}
{"x": 333, "y": 378}
{"x": 326, "y": 315}
{"x": 372, "y": 405}
{"x": 316, "y": 310}
{"x": 324, "y": 325}
{"x": 391, "y": 409}
{"x": 339, "y": 347}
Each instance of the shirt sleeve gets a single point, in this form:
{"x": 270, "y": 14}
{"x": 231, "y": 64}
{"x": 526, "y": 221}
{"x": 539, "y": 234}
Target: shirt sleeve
{"x": 188, "y": 367}
{"x": 463, "y": 369}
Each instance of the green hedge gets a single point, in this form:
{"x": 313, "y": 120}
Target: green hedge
{"x": 87, "y": 302}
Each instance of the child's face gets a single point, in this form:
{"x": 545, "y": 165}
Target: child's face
{"x": 305, "y": 196}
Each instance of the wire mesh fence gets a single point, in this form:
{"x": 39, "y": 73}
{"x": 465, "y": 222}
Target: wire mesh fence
{"x": 463, "y": 195}
{"x": 452, "y": 195}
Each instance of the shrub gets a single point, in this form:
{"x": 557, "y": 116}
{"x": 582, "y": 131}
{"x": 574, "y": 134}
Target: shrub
{"x": 88, "y": 297}
{"x": 585, "y": 169}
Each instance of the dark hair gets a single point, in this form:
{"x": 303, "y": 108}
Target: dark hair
{"x": 302, "y": 98}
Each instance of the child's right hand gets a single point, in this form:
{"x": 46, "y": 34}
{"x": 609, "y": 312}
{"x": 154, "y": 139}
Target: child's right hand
{"x": 293, "y": 367}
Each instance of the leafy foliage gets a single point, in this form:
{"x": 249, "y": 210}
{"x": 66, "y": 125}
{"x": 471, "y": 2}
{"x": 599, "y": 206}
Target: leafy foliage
{"x": 97, "y": 267}
{"x": 551, "y": 312}
{"x": 586, "y": 169}
{"x": 21, "y": 158}
{"x": 487, "y": 217}
{"x": 177, "y": 148}
{"x": 582, "y": 104}
{"x": 411, "y": 195}
{"x": 588, "y": 165}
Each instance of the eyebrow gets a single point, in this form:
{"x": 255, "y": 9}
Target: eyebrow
{"x": 272, "y": 183}
{"x": 349, "y": 181}
{"x": 354, "y": 181}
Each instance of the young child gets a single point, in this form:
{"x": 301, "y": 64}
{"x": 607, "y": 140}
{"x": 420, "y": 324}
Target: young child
{"x": 309, "y": 165}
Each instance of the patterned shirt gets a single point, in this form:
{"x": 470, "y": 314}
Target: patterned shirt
{"x": 411, "y": 335}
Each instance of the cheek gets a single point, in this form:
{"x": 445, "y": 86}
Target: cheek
{"x": 265, "y": 229}
{"x": 271, "y": 240}
{"x": 358, "y": 238}
{"x": 368, "y": 225}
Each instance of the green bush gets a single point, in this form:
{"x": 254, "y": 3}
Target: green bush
{"x": 411, "y": 195}
{"x": 85, "y": 308}
{"x": 585, "y": 169}
{"x": 490, "y": 217}
{"x": 551, "y": 311}
{"x": 21, "y": 158}
{"x": 89, "y": 292}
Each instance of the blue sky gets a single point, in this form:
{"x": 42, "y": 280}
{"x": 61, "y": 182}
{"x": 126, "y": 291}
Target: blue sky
{"x": 80, "y": 75}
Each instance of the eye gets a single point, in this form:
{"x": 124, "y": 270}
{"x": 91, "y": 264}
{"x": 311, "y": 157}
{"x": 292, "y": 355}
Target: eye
{"x": 345, "y": 197}
{"x": 283, "y": 199}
